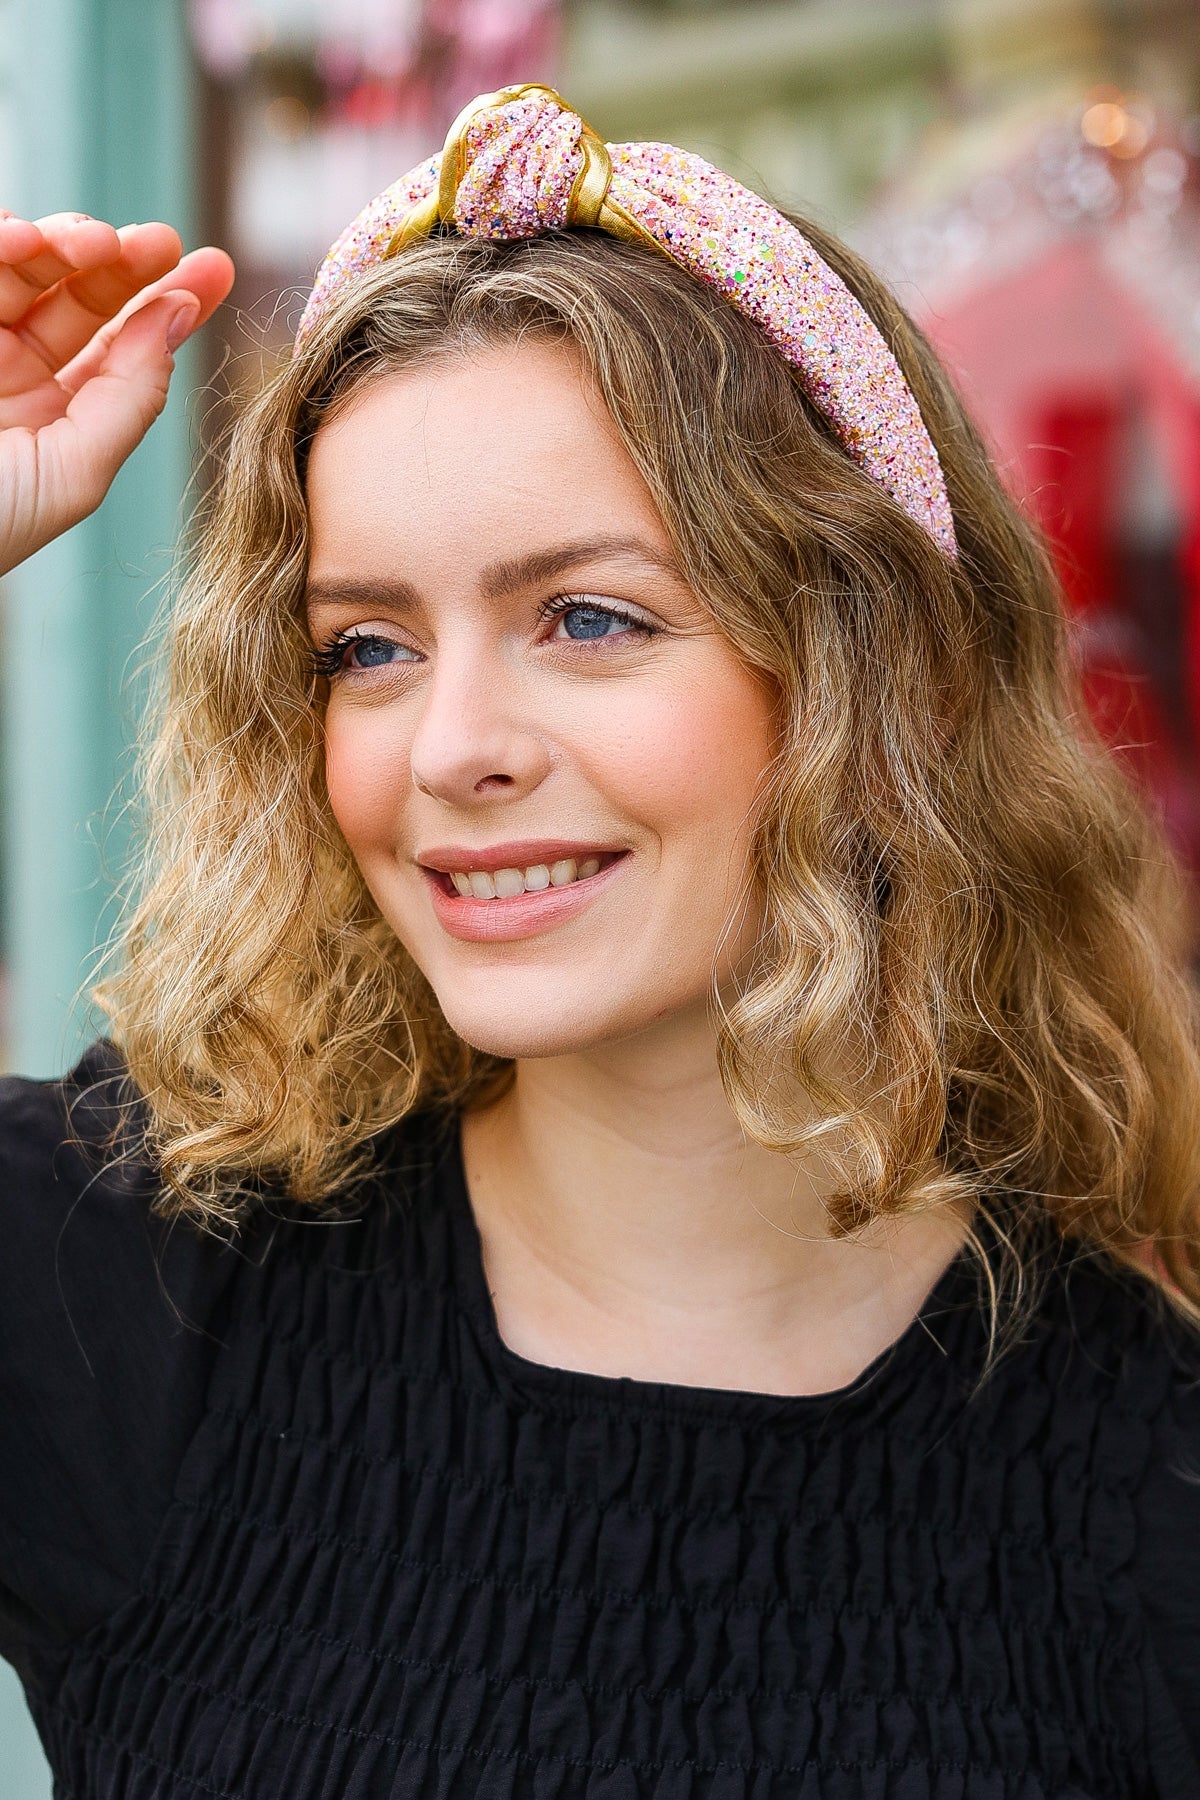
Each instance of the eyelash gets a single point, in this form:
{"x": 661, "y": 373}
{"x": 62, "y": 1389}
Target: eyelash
{"x": 329, "y": 660}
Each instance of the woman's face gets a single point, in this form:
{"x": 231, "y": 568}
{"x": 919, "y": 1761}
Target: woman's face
{"x": 449, "y": 506}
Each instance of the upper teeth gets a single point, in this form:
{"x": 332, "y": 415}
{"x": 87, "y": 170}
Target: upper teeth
{"x": 502, "y": 884}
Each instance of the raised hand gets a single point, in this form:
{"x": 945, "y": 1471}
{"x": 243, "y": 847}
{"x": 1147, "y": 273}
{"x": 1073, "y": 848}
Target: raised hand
{"x": 89, "y": 319}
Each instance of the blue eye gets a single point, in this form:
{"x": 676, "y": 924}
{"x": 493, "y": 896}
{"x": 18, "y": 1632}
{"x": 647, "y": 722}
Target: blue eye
{"x": 596, "y": 620}
{"x": 372, "y": 652}
{"x": 568, "y": 606}
{"x": 351, "y": 650}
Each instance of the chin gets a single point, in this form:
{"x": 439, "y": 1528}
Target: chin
{"x": 528, "y": 1036}
{"x": 566, "y": 1022}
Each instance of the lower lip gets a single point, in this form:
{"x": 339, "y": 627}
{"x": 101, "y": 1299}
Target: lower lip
{"x": 524, "y": 915}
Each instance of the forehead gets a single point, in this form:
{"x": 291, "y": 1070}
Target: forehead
{"x": 476, "y": 451}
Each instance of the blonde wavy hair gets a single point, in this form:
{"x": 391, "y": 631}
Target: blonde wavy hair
{"x": 974, "y": 955}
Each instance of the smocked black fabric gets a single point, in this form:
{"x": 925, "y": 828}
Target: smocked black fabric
{"x": 288, "y": 1521}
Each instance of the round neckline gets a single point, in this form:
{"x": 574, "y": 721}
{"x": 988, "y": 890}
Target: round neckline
{"x": 898, "y": 1361}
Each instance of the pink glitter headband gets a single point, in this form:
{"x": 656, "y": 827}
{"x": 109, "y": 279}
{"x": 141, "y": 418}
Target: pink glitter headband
{"x": 520, "y": 162}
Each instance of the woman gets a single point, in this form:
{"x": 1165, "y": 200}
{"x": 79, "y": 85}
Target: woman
{"x": 637, "y": 1230}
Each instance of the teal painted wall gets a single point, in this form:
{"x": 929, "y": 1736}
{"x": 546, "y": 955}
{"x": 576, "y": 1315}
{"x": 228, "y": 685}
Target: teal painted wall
{"x": 95, "y": 116}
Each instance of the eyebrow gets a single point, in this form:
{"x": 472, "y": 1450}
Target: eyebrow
{"x": 500, "y": 579}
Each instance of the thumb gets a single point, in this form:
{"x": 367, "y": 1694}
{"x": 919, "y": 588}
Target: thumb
{"x": 112, "y": 410}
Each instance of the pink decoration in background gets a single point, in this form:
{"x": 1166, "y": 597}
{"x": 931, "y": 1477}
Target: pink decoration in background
{"x": 225, "y": 34}
{"x": 488, "y": 44}
{"x": 432, "y": 54}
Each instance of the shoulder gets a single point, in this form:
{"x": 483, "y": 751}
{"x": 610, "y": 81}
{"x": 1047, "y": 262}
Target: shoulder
{"x": 77, "y": 1189}
{"x": 109, "y": 1319}
{"x": 88, "y": 1256}
{"x": 1124, "y": 1371}
{"x": 115, "y": 1323}
{"x": 1166, "y": 1554}
{"x": 1117, "y": 1365}
{"x": 76, "y": 1136}
{"x": 35, "y": 1114}
{"x": 1087, "y": 1328}
{"x": 1078, "y": 1453}
{"x": 74, "y": 1177}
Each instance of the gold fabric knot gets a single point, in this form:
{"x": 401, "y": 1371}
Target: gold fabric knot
{"x": 515, "y": 164}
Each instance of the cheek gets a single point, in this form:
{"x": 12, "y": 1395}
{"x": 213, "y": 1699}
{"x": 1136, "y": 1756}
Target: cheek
{"x": 367, "y": 776}
{"x": 702, "y": 751}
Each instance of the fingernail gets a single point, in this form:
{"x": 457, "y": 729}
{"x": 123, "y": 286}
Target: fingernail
{"x": 181, "y": 324}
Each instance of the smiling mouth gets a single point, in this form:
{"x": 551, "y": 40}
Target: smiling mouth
{"x": 495, "y": 886}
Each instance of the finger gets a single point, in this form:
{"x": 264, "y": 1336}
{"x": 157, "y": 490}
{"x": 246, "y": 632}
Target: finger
{"x": 60, "y": 322}
{"x": 78, "y": 238}
{"x": 67, "y": 242}
{"x": 207, "y": 274}
{"x": 19, "y": 239}
{"x": 111, "y": 413}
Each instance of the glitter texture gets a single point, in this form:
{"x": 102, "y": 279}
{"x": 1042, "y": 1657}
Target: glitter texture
{"x": 521, "y": 159}
{"x": 365, "y": 240}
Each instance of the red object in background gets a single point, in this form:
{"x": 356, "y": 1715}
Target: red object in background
{"x": 1095, "y": 419}
{"x": 1072, "y": 468}
{"x": 1074, "y": 464}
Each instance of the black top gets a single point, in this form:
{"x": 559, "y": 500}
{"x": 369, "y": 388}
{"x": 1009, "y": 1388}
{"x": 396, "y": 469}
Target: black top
{"x": 286, "y": 1520}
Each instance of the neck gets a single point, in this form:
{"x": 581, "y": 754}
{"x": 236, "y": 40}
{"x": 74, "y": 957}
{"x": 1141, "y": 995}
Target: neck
{"x": 629, "y": 1227}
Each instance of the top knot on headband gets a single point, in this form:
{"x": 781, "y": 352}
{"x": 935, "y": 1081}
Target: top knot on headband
{"x": 521, "y": 162}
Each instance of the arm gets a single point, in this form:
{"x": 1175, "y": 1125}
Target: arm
{"x": 89, "y": 319}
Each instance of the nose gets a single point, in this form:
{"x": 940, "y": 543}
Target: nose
{"x": 477, "y": 729}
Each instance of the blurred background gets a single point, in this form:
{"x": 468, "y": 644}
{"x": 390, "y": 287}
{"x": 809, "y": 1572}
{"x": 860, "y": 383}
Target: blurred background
{"x": 1025, "y": 172}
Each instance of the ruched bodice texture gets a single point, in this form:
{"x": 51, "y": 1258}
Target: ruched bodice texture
{"x": 394, "y": 1558}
